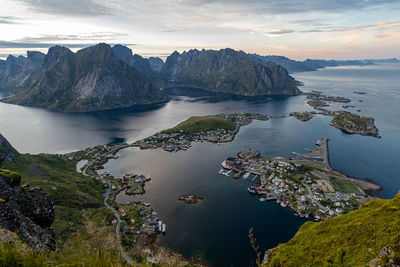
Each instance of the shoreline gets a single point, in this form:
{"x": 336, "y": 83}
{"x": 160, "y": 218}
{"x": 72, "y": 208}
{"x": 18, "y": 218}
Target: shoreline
{"x": 307, "y": 184}
{"x": 115, "y": 148}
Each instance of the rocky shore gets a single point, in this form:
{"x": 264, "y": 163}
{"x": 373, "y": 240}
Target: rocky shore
{"x": 303, "y": 116}
{"x": 354, "y": 124}
{"x": 190, "y": 198}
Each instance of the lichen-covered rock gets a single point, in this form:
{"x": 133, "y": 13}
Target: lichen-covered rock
{"x": 29, "y": 212}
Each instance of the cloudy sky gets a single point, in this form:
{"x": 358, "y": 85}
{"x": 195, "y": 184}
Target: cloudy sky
{"x": 299, "y": 29}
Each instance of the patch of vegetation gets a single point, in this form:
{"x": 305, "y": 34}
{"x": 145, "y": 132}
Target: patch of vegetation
{"x": 352, "y": 239}
{"x": 353, "y": 123}
{"x": 198, "y": 124}
{"x": 11, "y": 177}
{"x": 13, "y": 255}
{"x": 344, "y": 185}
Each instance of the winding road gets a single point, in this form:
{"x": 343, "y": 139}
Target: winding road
{"x": 118, "y": 226}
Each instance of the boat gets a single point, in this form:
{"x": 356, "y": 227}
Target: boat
{"x": 164, "y": 228}
{"x": 246, "y": 175}
{"x": 262, "y": 199}
{"x": 228, "y": 173}
{"x": 221, "y": 171}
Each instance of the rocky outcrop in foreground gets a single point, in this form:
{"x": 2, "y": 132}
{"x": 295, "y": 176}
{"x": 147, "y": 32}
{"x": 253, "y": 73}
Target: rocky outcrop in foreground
{"x": 27, "y": 211}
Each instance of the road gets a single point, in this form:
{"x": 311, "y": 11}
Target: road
{"x": 117, "y": 228}
{"x": 326, "y": 151}
{"x": 116, "y": 214}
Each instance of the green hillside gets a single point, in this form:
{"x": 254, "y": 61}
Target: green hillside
{"x": 353, "y": 239}
{"x": 197, "y": 124}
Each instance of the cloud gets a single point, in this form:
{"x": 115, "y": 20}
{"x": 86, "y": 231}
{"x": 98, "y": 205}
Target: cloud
{"x": 174, "y": 30}
{"x": 279, "y": 32}
{"x": 67, "y": 7}
{"x": 26, "y": 45}
{"x": 285, "y": 6}
{"x": 377, "y": 26}
{"x": 9, "y": 20}
{"x": 97, "y": 36}
{"x": 389, "y": 36}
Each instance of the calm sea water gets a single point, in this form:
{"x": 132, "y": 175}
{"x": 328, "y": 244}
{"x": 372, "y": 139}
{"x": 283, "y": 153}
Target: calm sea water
{"x": 215, "y": 230}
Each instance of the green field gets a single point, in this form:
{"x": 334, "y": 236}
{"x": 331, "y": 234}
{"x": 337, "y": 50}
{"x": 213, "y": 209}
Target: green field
{"x": 344, "y": 186}
{"x": 198, "y": 124}
{"x": 352, "y": 239}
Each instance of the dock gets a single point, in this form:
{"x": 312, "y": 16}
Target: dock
{"x": 237, "y": 175}
{"x": 320, "y": 153}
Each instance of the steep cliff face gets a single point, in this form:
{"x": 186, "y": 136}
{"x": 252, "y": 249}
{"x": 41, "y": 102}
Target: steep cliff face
{"x": 289, "y": 64}
{"x": 227, "y": 71}
{"x": 156, "y": 63}
{"x": 14, "y": 72}
{"x": 125, "y": 54}
{"x": 92, "y": 79}
{"x": 29, "y": 212}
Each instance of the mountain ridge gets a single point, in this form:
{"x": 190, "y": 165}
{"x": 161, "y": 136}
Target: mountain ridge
{"x": 91, "y": 79}
{"x": 227, "y": 71}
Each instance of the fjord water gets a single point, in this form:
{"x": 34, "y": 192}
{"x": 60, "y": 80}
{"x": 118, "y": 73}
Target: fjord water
{"x": 215, "y": 230}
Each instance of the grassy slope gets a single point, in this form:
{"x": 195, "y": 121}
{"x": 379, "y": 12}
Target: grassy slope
{"x": 352, "y": 239}
{"x": 197, "y": 124}
{"x": 74, "y": 194}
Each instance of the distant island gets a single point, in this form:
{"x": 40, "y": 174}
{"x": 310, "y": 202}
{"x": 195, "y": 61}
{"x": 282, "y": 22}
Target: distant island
{"x": 315, "y": 64}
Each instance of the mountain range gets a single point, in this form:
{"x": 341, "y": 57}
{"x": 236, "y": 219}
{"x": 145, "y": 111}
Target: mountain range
{"x": 227, "y": 71}
{"x": 315, "y": 64}
{"x": 103, "y": 77}
{"x": 94, "y": 78}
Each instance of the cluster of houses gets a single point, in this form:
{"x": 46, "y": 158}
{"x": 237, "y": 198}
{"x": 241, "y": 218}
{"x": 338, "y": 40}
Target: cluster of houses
{"x": 291, "y": 186}
{"x": 181, "y": 140}
{"x": 173, "y": 142}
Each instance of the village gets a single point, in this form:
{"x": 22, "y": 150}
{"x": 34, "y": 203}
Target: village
{"x": 137, "y": 220}
{"x": 207, "y": 129}
{"x": 307, "y": 189}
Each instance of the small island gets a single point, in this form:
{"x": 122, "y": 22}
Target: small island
{"x": 354, "y": 124}
{"x": 303, "y": 116}
{"x": 318, "y": 96}
{"x": 221, "y": 128}
{"x": 190, "y": 198}
{"x": 317, "y": 104}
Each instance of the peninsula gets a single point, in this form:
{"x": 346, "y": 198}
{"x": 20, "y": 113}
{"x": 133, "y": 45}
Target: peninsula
{"x": 219, "y": 128}
{"x": 306, "y": 183}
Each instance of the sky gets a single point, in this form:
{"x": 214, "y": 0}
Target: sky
{"x": 298, "y": 29}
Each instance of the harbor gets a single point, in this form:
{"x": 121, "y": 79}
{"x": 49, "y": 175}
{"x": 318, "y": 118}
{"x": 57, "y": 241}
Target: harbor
{"x": 306, "y": 183}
